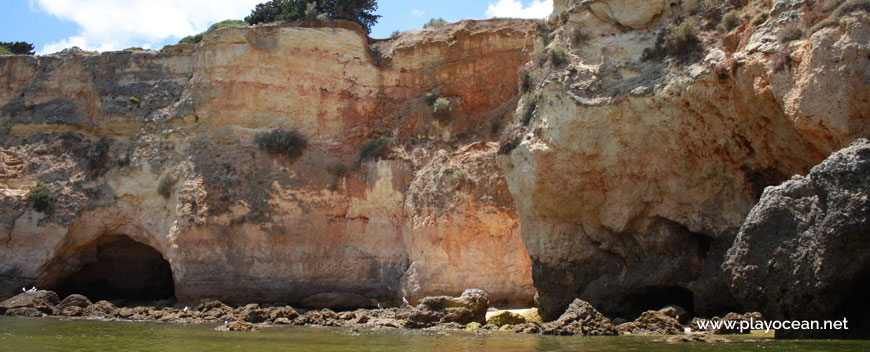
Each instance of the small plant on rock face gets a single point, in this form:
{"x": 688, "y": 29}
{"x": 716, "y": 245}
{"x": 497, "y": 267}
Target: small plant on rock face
{"x": 164, "y": 185}
{"x": 435, "y": 23}
{"x": 431, "y": 97}
{"x": 558, "y": 56}
{"x": 374, "y": 149}
{"x": 730, "y": 20}
{"x": 41, "y": 196}
{"x": 290, "y": 143}
{"x": 441, "y": 107}
{"x": 680, "y": 42}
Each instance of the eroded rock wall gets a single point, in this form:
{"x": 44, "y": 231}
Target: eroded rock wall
{"x": 631, "y": 176}
{"x": 238, "y": 224}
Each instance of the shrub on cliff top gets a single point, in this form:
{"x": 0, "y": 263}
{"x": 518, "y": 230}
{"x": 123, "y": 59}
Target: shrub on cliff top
{"x": 194, "y": 39}
{"x": 435, "y": 23}
{"x": 41, "y": 196}
{"x": 17, "y": 48}
{"x": 359, "y": 11}
{"x": 290, "y": 143}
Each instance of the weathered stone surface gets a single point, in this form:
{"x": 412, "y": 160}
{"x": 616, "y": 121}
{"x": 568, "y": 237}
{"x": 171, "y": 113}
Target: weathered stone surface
{"x": 631, "y": 177}
{"x": 41, "y": 300}
{"x": 237, "y": 326}
{"x": 631, "y": 13}
{"x": 506, "y": 318}
{"x": 652, "y": 323}
{"x": 802, "y": 252}
{"x": 580, "y": 319}
{"x": 337, "y": 301}
{"x": 470, "y": 307}
{"x": 101, "y": 309}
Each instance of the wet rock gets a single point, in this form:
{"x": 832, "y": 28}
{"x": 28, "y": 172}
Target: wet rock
{"x": 337, "y": 301}
{"x": 72, "y": 306}
{"x": 287, "y": 313}
{"x": 252, "y": 313}
{"x": 506, "y": 317}
{"x": 208, "y": 304}
{"x": 528, "y": 328}
{"x": 688, "y": 338}
{"x": 323, "y": 317}
{"x": 101, "y": 309}
{"x": 213, "y": 310}
{"x": 283, "y": 321}
{"x": 237, "y": 326}
{"x": 653, "y": 323}
{"x": 803, "y": 253}
{"x": 470, "y": 306}
{"x": 41, "y": 300}
{"x": 580, "y": 319}
{"x": 29, "y": 312}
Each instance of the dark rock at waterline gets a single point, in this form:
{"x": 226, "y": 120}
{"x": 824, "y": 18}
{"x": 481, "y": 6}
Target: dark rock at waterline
{"x": 40, "y": 300}
{"x": 580, "y": 319}
{"x": 101, "y": 309}
{"x": 469, "y": 307}
{"x": 694, "y": 338}
{"x": 72, "y": 305}
{"x": 29, "y": 312}
{"x": 804, "y": 250}
{"x": 237, "y": 326}
{"x": 337, "y": 301}
{"x": 653, "y": 322}
{"x": 252, "y": 313}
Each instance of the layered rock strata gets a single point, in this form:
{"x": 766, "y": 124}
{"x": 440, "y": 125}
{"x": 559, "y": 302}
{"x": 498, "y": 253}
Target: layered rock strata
{"x": 158, "y": 148}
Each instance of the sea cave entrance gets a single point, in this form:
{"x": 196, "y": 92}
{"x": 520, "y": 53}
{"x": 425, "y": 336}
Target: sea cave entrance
{"x": 120, "y": 270}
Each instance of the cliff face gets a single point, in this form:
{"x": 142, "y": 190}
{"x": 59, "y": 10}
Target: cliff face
{"x": 433, "y": 216}
{"x": 632, "y": 176}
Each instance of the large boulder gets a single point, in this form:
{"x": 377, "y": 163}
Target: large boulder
{"x": 581, "y": 318}
{"x": 72, "y": 306}
{"x": 653, "y": 322}
{"x": 803, "y": 252}
{"x": 470, "y": 307}
{"x": 39, "y": 300}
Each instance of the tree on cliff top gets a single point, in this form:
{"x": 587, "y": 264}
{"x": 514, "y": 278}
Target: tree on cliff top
{"x": 359, "y": 11}
{"x": 17, "y": 48}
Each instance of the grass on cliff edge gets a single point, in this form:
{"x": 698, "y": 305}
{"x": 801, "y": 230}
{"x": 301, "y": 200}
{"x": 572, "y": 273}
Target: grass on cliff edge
{"x": 194, "y": 39}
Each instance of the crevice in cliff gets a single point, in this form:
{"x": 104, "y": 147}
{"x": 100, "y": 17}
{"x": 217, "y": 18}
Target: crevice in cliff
{"x": 119, "y": 269}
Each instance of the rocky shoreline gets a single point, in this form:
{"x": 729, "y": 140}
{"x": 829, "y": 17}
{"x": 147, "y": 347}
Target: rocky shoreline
{"x": 467, "y": 312}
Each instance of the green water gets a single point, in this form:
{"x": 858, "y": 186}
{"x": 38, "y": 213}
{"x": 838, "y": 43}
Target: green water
{"x": 48, "y": 334}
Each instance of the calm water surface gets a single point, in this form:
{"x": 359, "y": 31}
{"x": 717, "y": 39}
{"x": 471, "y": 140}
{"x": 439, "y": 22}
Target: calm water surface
{"x": 50, "y": 334}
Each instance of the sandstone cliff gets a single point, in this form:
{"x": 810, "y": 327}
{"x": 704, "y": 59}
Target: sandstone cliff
{"x": 241, "y": 225}
{"x": 632, "y": 169}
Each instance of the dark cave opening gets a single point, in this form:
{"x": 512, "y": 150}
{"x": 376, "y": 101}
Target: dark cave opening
{"x": 655, "y": 298}
{"x": 123, "y": 271}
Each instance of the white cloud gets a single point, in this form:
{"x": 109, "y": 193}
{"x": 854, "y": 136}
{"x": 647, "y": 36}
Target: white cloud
{"x": 515, "y": 9}
{"x": 114, "y": 25}
{"x": 418, "y": 13}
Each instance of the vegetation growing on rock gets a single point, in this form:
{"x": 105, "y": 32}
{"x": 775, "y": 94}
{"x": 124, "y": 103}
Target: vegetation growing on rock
{"x": 359, "y": 11}
{"x": 41, "y": 196}
{"x": 290, "y": 143}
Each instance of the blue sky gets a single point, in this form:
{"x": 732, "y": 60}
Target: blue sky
{"x": 52, "y": 25}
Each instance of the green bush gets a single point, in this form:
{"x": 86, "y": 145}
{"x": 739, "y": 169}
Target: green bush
{"x": 374, "y": 149}
{"x": 441, "y": 107}
{"x": 164, "y": 185}
{"x": 435, "y": 23}
{"x": 558, "y": 56}
{"x": 359, "y": 11}
{"x": 759, "y": 19}
{"x": 843, "y": 8}
{"x": 41, "y": 197}
{"x": 290, "y": 143}
{"x": 680, "y": 42}
{"x": 194, "y": 39}
{"x": 730, "y": 20}
{"x": 16, "y": 48}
